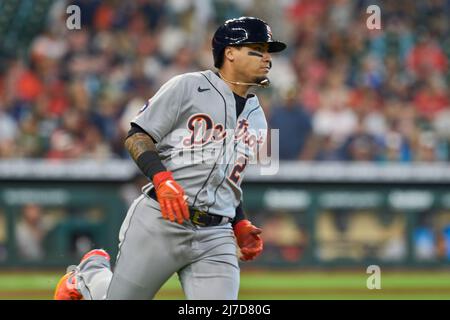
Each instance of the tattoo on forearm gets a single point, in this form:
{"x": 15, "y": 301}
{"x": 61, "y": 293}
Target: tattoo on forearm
{"x": 139, "y": 143}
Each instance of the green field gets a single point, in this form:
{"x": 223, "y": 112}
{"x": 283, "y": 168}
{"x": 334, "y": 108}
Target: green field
{"x": 301, "y": 285}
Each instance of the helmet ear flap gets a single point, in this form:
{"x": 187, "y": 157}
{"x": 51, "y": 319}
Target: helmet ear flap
{"x": 218, "y": 57}
{"x": 218, "y": 60}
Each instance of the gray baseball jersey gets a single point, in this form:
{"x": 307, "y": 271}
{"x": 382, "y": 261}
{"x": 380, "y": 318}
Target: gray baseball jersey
{"x": 193, "y": 120}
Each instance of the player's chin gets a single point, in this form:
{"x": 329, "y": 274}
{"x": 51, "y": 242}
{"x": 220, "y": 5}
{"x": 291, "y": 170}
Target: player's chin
{"x": 260, "y": 78}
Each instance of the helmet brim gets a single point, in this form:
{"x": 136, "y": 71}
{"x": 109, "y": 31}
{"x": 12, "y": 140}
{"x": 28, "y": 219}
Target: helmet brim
{"x": 274, "y": 46}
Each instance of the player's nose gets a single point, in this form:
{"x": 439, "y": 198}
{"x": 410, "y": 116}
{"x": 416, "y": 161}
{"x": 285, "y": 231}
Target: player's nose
{"x": 267, "y": 58}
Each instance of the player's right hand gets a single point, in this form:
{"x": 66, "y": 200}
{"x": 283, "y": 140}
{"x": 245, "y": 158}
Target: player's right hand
{"x": 171, "y": 197}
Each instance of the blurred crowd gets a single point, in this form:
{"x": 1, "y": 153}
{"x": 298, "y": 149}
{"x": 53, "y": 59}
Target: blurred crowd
{"x": 340, "y": 92}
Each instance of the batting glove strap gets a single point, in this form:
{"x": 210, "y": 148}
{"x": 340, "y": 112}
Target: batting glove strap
{"x": 161, "y": 177}
{"x": 240, "y": 226}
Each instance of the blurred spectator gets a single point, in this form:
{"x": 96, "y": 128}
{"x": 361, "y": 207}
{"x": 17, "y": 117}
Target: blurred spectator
{"x": 8, "y": 133}
{"x": 66, "y": 142}
{"x": 48, "y": 46}
{"x": 427, "y": 147}
{"x": 366, "y": 104}
{"x": 182, "y": 63}
{"x": 94, "y": 145}
{"x": 397, "y": 148}
{"x": 30, "y": 233}
{"x": 328, "y": 149}
{"x": 361, "y": 146}
{"x": 427, "y": 57}
{"x": 29, "y": 85}
{"x": 29, "y": 142}
{"x": 431, "y": 98}
{"x": 334, "y": 118}
{"x": 294, "y": 124}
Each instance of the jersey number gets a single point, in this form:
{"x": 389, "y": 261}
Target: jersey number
{"x": 235, "y": 175}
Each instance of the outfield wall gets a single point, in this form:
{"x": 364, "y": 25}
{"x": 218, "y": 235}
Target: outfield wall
{"x": 327, "y": 214}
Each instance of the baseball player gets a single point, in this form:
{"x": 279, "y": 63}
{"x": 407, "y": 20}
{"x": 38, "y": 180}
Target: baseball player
{"x": 193, "y": 140}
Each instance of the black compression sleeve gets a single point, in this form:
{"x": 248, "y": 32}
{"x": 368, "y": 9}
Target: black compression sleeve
{"x": 150, "y": 164}
{"x": 240, "y": 215}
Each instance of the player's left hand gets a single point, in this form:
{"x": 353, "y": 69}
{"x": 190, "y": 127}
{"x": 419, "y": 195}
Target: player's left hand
{"x": 248, "y": 239}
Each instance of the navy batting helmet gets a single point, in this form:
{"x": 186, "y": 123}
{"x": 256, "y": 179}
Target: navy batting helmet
{"x": 243, "y": 30}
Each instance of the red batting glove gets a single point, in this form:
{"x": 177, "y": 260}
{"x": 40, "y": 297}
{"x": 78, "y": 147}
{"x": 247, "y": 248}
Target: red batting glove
{"x": 171, "y": 197}
{"x": 248, "y": 239}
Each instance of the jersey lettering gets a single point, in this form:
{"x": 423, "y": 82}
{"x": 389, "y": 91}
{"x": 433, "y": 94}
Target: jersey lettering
{"x": 239, "y": 167}
{"x": 203, "y": 130}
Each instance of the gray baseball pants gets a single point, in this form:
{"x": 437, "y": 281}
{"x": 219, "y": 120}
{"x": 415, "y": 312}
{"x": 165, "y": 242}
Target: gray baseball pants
{"x": 152, "y": 249}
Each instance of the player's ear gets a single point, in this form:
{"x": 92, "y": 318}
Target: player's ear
{"x": 229, "y": 53}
